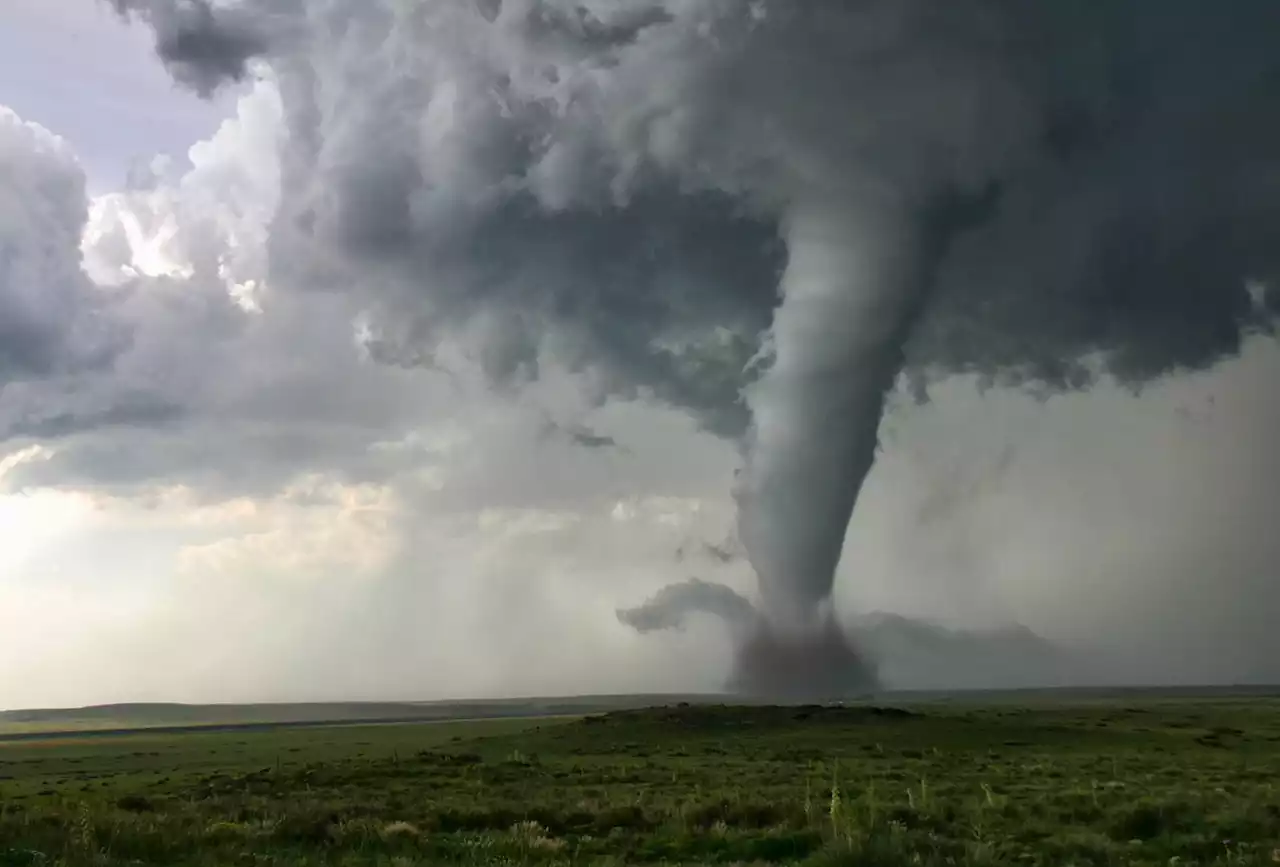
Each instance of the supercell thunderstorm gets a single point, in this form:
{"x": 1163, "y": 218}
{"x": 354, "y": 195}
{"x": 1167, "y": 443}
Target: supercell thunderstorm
{"x": 768, "y": 212}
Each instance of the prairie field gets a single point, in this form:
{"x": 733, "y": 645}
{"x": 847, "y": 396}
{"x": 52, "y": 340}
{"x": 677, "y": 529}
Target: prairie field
{"x": 1107, "y": 782}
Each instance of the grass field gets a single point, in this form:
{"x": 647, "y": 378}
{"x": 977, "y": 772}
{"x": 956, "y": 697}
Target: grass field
{"x": 1144, "y": 782}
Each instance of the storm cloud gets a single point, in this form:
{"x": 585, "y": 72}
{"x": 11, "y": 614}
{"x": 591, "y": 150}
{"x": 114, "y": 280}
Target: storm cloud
{"x": 52, "y": 319}
{"x": 577, "y": 172}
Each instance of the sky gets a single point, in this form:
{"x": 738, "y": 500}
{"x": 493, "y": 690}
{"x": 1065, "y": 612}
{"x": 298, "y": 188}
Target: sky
{"x": 218, "y": 486}
{"x": 71, "y": 66}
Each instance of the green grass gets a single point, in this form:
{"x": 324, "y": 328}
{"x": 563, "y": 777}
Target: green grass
{"x": 1156, "y": 783}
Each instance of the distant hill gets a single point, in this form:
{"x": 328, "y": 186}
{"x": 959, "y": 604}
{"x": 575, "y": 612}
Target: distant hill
{"x": 162, "y": 715}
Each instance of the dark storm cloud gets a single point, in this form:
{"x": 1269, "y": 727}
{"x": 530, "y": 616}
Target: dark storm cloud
{"x": 1141, "y": 191}
{"x": 141, "y": 411}
{"x": 200, "y": 47}
{"x": 650, "y": 297}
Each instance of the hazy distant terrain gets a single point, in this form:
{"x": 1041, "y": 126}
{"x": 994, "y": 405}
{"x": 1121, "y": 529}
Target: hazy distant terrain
{"x": 919, "y": 660}
{"x": 913, "y": 654}
{"x": 149, "y": 716}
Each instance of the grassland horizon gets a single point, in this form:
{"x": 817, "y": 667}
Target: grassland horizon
{"x": 148, "y": 714}
{"x": 1049, "y": 777}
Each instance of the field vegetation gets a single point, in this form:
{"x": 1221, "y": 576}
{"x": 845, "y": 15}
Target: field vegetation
{"x": 1103, "y": 783}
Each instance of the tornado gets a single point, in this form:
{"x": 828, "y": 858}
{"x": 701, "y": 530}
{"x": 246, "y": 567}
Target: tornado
{"x": 853, "y": 281}
{"x": 852, "y": 284}
{"x": 858, "y": 275}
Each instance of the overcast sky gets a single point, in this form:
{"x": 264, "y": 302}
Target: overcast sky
{"x": 212, "y": 490}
